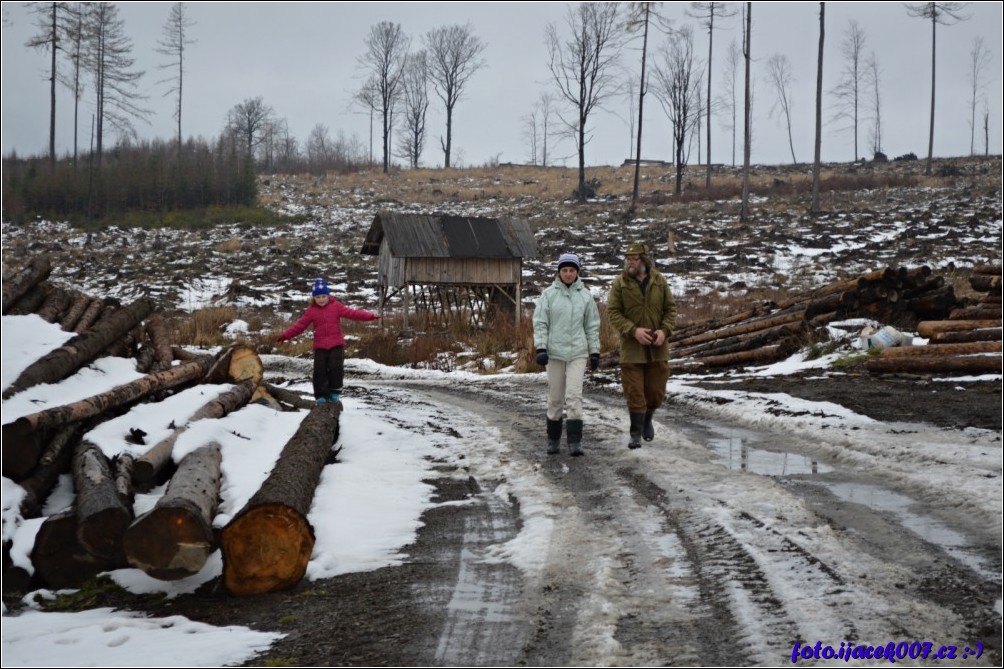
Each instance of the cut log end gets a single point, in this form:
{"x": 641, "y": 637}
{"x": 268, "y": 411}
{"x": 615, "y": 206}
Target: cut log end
{"x": 169, "y": 543}
{"x": 265, "y": 549}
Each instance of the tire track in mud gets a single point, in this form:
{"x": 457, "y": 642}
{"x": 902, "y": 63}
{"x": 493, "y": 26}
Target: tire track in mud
{"x": 676, "y": 591}
{"x": 640, "y": 574}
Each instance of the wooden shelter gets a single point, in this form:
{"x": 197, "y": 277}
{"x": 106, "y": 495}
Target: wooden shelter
{"x": 451, "y": 267}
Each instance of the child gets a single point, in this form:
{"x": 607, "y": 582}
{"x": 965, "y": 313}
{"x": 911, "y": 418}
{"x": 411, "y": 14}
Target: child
{"x": 325, "y": 314}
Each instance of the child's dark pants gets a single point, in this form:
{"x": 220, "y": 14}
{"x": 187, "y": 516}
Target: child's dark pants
{"x": 329, "y": 369}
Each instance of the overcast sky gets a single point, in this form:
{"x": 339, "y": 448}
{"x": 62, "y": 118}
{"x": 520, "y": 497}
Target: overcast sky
{"x": 302, "y": 58}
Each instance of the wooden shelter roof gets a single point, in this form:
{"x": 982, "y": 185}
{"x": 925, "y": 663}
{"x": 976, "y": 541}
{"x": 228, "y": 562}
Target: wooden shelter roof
{"x": 436, "y": 236}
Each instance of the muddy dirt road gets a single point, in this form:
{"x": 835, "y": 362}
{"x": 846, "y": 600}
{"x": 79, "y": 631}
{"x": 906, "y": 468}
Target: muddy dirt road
{"x": 725, "y": 541}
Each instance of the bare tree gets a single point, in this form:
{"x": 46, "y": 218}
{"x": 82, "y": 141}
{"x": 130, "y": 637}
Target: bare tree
{"x": 368, "y": 97}
{"x": 537, "y": 128}
{"x": 249, "y": 121}
{"x": 814, "y": 207}
{"x": 172, "y": 44}
{"x": 319, "y": 148}
{"x": 73, "y": 40}
{"x": 747, "y": 111}
{"x": 584, "y": 68}
{"x": 979, "y": 59}
{"x": 945, "y": 13}
{"x": 677, "y": 87}
{"x": 454, "y": 55}
{"x": 385, "y": 57}
{"x": 779, "y": 70}
{"x": 706, "y": 13}
{"x": 416, "y": 105}
{"x": 727, "y": 100}
{"x": 108, "y": 58}
{"x": 986, "y": 129}
{"x": 49, "y": 21}
{"x": 288, "y": 148}
{"x": 848, "y": 90}
{"x": 640, "y": 18}
{"x": 873, "y": 76}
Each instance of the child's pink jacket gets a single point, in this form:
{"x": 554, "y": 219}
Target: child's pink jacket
{"x": 327, "y": 323}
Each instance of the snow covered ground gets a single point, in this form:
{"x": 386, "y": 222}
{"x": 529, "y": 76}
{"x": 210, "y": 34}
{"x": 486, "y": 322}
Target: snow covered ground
{"x": 387, "y": 448}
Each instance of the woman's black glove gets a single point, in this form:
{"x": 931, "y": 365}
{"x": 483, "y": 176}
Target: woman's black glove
{"x": 594, "y": 361}
{"x": 542, "y": 357}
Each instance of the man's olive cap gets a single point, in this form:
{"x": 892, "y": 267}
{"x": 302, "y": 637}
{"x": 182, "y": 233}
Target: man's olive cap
{"x": 636, "y": 249}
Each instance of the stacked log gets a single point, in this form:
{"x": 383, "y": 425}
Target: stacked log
{"x": 967, "y": 341}
{"x": 97, "y": 532}
{"x": 768, "y": 333}
{"x": 267, "y": 546}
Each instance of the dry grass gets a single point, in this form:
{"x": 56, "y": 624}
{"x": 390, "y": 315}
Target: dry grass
{"x": 204, "y": 327}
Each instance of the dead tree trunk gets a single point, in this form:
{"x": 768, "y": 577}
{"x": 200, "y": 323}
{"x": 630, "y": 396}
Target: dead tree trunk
{"x": 174, "y": 539}
{"x": 90, "y": 316}
{"x": 267, "y": 545}
{"x": 151, "y": 462}
{"x": 942, "y": 349}
{"x": 743, "y": 328}
{"x": 77, "y": 308}
{"x": 36, "y": 272}
{"x": 927, "y": 329}
{"x": 57, "y": 301}
{"x": 82, "y": 349}
{"x": 289, "y": 397}
{"x": 31, "y": 302}
{"x": 102, "y": 518}
{"x": 54, "y": 461}
{"x": 156, "y": 329}
{"x": 60, "y": 560}
{"x": 21, "y": 439}
{"x": 947, "y": 364}
{"x": 979, "y": 334}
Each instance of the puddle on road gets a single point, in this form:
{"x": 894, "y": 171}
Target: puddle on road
{"x": 735, "y": 453}
{"x": 901, "y": 508}
{"x": 738, "y": 449}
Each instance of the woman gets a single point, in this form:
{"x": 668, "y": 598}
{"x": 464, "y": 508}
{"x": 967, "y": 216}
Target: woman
{"x": 566, "y": 333}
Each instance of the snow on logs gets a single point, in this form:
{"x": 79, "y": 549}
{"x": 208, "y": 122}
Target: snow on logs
{"x": 267, "y": 545}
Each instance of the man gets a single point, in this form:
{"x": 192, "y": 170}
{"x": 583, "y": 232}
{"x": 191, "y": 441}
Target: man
{"x": 642, "y": 309}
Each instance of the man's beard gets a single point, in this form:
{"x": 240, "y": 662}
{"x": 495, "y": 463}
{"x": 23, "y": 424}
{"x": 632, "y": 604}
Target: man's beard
{"x": 634, "y": 271}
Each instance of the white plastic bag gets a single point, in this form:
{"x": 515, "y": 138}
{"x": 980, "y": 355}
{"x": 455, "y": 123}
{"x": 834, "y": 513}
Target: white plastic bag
{"x": 884, "y": 337}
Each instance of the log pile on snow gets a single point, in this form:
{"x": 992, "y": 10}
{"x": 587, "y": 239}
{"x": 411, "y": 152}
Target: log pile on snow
{"x": 966, "y": 341}
{"x": 173, "y": 540}
{"x": 909, "y": 298}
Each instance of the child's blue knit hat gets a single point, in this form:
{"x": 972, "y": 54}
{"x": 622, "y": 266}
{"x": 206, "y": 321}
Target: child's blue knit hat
{"x": 320, "y": 288}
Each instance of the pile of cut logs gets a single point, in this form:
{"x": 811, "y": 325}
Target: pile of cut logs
{"x": 909, "y": 298}
{"x": 267, "y": 544}
{"x": 967, "y": 341}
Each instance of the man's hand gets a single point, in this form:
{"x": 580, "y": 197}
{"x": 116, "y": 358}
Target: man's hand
{"x": 643, "y": 336}
{"x": 659, "y": 338}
